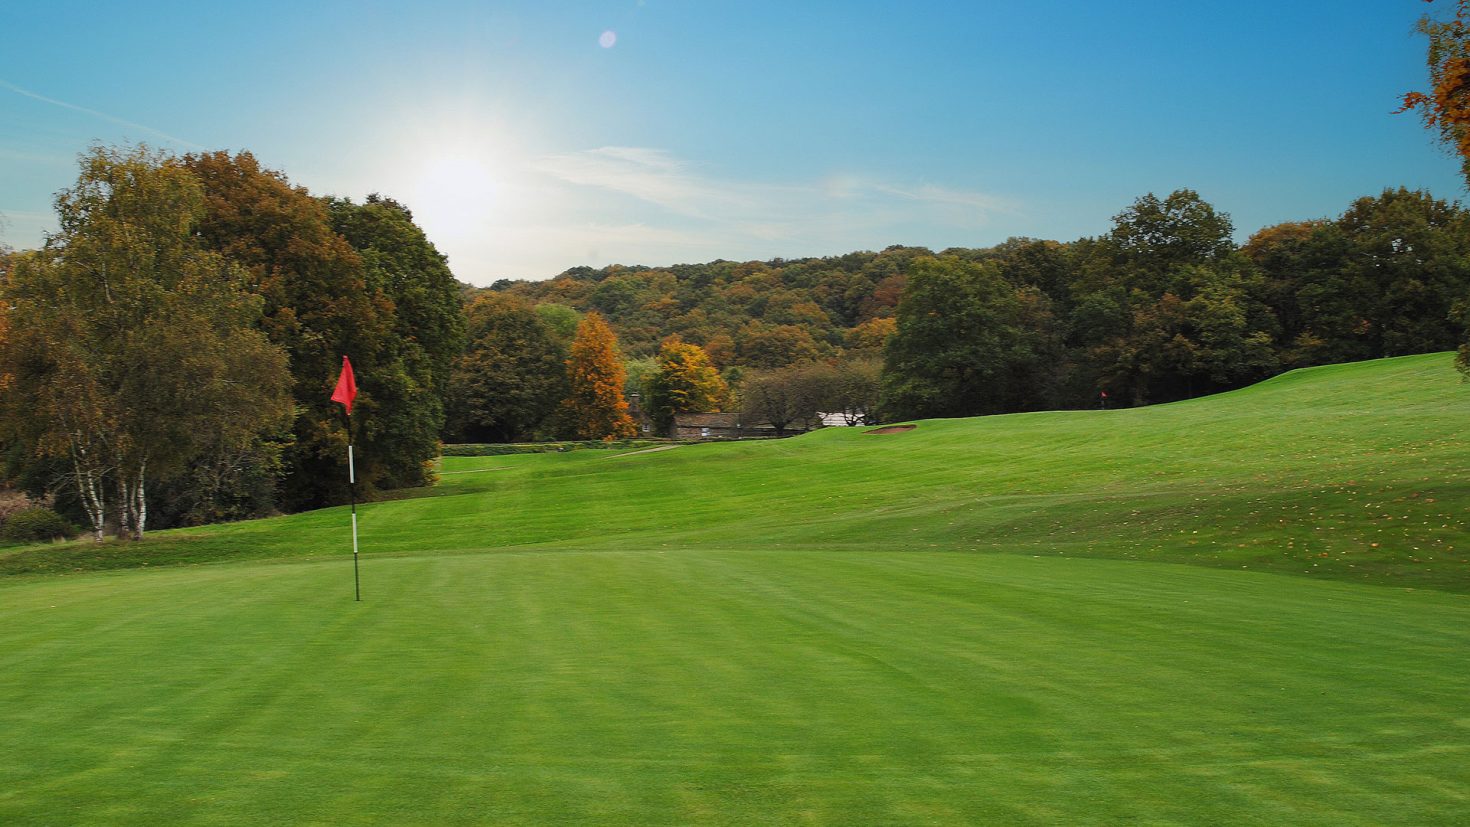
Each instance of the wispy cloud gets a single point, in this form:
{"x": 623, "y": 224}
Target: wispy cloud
{"x": 650, "y": 175}
{"x": 943, "y": 195}
{"x": 660, "y": 178}
{"x": 102, "y": 115}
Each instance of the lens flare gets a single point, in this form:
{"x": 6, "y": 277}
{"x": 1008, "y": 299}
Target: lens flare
{"x": 608, "y": 39}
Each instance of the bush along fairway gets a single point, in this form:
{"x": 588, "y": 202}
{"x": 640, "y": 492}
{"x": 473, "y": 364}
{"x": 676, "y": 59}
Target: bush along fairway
{"x": 980, "y": 620}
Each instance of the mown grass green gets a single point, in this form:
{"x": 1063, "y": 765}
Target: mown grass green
{"x": 800, "y": 632}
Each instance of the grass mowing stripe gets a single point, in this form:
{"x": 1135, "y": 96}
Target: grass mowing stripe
{"x": 737, "y": 686}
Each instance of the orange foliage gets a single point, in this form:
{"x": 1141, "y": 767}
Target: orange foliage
{"x": 721, "y": 350}
{"x": 595, "y": 407}
{"x": 1447, "y": 105}
{"x": 1262, "y": 241}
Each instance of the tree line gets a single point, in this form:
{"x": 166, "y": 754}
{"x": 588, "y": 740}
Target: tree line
{"x": 1163, "y": 306}
{"x": 167, "y": 356}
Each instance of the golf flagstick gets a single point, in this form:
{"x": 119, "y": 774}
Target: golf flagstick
{"x": 352, "y": 487}
{"x": 345, "y": 392}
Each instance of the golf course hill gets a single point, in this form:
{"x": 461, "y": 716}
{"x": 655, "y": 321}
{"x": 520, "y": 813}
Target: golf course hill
{"x": 1250, "y": 608}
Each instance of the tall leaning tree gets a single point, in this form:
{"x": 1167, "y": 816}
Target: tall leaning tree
{"x": 130, "y": 348}
{"x": 1446, "y": 106}
{"x": 1446, "y": 110}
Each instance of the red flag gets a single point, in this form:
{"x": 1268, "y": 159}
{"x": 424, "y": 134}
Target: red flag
{"x": 346, "y": 386}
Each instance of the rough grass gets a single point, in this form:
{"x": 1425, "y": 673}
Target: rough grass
{"x": 799, "y": 632}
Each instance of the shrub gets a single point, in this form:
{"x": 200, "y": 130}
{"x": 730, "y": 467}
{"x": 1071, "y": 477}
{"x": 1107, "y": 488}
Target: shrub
{"x": 34, "y": 525}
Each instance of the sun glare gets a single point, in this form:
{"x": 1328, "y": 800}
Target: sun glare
{"x": 454, "y": 193}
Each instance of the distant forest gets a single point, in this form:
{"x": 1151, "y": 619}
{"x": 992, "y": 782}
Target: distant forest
{"x": 1163, "y": 307}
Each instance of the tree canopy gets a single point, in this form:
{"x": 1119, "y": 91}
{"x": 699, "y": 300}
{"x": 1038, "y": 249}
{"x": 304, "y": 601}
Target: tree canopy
{"x": 132, "y": 350}
{"x": 324, "y": 299}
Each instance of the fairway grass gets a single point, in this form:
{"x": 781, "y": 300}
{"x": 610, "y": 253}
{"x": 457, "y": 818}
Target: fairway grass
{"x": 977, "y": 621}
{"x": 731, "y": 687}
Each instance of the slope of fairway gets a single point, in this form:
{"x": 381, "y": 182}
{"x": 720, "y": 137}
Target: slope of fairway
{"x": 800, "y": 632}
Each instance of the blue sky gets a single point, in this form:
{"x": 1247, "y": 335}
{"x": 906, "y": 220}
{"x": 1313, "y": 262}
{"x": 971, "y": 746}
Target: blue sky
{"x": 529, "y": 137}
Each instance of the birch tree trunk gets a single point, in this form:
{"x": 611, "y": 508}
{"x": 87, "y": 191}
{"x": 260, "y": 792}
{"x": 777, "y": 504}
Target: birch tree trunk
{"x": 89, "y": 488}
{"x": 124, "y": 504}
{"x": 132, "y": 507}
{"x": 140, "y": 503}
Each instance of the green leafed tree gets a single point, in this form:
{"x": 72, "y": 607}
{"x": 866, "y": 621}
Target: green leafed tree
{"x": 401, "y": 262}
{"x": 1166, "y": 307}
{"x": 508, "y": 382}
{"x": 968, "y": 342}
{"x": 133, "y": 351}
{"x": 411, "y": 380}
{"x": 562, "y": 320}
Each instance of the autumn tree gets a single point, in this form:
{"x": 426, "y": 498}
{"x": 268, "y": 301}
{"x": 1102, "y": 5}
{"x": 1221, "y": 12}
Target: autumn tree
{"x": 685, "y": 382}
{"x": 1289, "y": 256}
{"x": 1445, "y": 108}
{"x": 871, "y": 336}
{"x": 765, "y": 345}
{"x": 595, "y": 407}
{"x": 133, "y": 350}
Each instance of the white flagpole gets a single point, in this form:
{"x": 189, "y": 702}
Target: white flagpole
{"x": 352, "y": 486}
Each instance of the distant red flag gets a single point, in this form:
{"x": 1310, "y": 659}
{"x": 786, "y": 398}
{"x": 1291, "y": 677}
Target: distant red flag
{"x": 346, "y": 386}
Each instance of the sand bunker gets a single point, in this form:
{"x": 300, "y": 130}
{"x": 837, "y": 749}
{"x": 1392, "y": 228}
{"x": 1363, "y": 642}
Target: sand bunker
{"x": 891, "y": 429}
